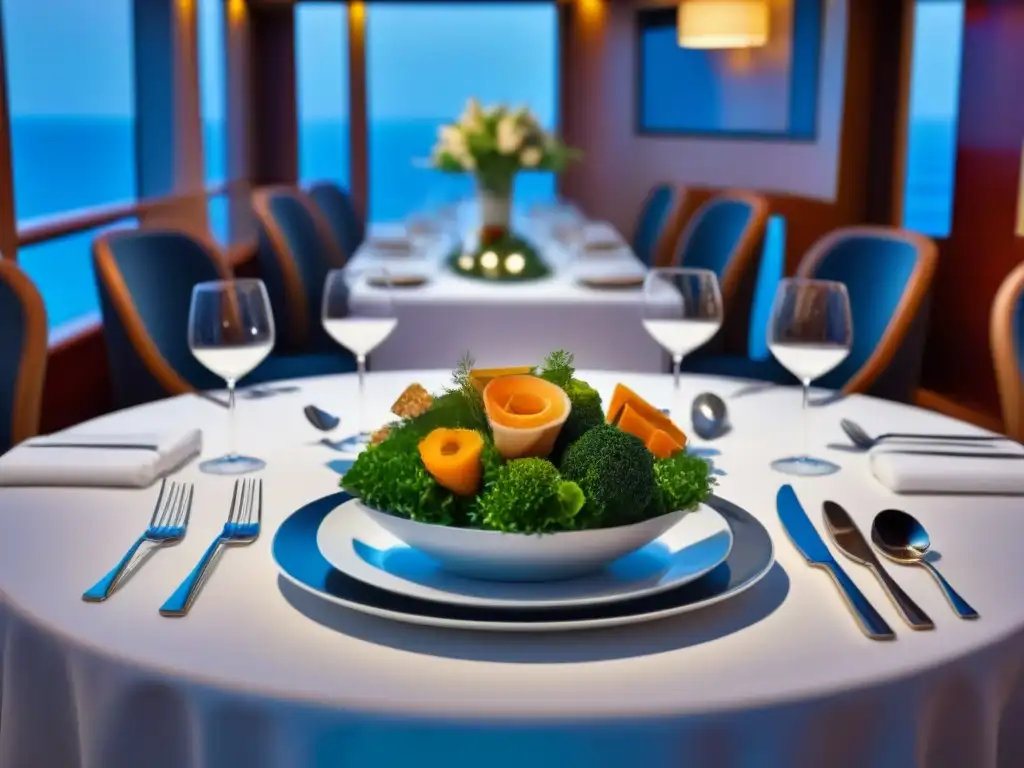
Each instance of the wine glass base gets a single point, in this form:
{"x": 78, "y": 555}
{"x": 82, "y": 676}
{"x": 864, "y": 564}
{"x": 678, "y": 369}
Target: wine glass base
{"x": 805, "y": 466}
{"x": 232, "y": 465}
{"x": 353, "y": 443}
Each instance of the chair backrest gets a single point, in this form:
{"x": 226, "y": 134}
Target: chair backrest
{"x": 335, "y": 203}
{"x": 1007, "y": 336}
{"x": 655, "y": 231}
{"x": 23, "y": 340}
{"x": 888, "y": 273}
{"x": 295, "y": 256}
{"x": 725, "y": 235}
{"x": 145, "y": 280}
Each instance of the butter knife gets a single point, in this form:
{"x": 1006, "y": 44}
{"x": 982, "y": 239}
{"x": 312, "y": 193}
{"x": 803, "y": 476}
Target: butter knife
{"x": 851, "y": 542}
{"x": 809, "y": 543}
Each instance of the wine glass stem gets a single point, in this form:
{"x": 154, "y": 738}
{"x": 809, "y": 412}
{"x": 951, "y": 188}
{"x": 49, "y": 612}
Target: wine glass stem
{"x": 232, "y": 453}
{"x": 361, "y": 374}
{"x": 677, "y": 362}
{"x": 805, "y": 385}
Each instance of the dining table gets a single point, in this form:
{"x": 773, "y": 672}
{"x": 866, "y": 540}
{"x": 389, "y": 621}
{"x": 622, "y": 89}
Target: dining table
{"x": 498, "y": 320}
{"x": 262, "y": 674}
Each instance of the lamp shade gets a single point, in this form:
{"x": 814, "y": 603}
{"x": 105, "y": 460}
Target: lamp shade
{"x": 723, "y": 23}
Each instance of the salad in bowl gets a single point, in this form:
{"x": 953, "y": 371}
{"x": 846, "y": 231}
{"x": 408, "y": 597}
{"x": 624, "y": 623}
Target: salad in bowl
{"x": 522, "y": 474}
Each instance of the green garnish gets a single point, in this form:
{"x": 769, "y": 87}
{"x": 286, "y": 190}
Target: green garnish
{"x": 557, "y": 368}
{"x": 684, "y": 481}
{"x": 530, "y": 497}
{"x": 587, "y": 411}
{"x": 616, "y": 473}
{"x": 462, "y": 386}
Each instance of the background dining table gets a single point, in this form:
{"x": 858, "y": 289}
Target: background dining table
{"x": 262, "y": 675}
{"x": 511, "y": 320}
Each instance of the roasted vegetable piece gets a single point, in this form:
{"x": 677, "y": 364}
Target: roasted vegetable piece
{"x": 452, "y": 457}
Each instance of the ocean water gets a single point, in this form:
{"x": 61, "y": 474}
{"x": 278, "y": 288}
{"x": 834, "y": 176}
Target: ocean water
{"x": 62, "y": 165}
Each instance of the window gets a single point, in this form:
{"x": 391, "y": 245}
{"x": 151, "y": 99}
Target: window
{"x": 932, "y": 116}
{"x": 212, "y": 79}
{"x": 70, "y": 86}
{"x": 757, "y": 92}
{"x": 321, "y": 53}
{"x": 424, "y": 61}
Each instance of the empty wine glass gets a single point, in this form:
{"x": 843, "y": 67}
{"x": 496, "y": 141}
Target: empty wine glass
{"x": 682, "y": 311}
{"x": 360, "y": 334}
{"x": 231, "y": 331}
{"x": 810, "y": 333}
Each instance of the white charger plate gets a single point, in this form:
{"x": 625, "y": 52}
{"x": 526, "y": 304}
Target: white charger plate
{"x": 351, "y": 541}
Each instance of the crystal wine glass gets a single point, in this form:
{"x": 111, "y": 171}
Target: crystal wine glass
{"x": 810, "y": 333}
{"x": 231, "y": 331}
{"x": 682, "y": 311}
{"x": 360, "y": 334}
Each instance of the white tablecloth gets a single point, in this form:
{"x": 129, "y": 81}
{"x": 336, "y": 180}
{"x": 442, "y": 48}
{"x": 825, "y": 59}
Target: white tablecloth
{"x": 254, "y": 677}
{"x": 498, "y": 322}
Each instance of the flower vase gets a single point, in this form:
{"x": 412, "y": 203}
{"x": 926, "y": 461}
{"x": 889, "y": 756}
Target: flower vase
{"x": 495, "y": 215}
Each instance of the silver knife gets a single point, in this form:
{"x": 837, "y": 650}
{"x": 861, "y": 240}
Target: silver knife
{"x": 851, "y": 542}
{"x": 809, "y": 543}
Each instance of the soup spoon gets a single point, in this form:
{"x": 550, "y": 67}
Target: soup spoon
{"x": 863, "y": 440}
{"x": 709, "y": 415}
{"x": 902, "y": 539}
{"x": 321, "y": 419}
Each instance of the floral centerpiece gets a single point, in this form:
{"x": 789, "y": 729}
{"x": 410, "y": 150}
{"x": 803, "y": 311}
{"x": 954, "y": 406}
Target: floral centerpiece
{"x": 494, "y": 144}
{"x": 528, "y": 451}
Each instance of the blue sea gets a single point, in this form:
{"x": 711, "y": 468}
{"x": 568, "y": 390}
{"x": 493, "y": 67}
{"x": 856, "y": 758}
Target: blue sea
{"x": 62, "y": 165}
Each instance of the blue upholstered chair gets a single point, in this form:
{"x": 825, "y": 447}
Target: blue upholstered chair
{"x": 656, "y": 228}
{"x": 145, "y": 280}
{"x": 23, "y": 347}
{"x": 888, "y": 273}
{"x": 347, "y": 228}
{"x": 1007, "y": 333}
{"x": 726, "y": 235}
{"x": 296, "y": 253}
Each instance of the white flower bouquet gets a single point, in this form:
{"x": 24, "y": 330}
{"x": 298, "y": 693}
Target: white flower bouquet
{"x": 495, "y": 143}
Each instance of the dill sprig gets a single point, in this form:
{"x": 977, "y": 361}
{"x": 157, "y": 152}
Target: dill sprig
{"x": 462, "y": 387}
{"x": 558, "y": 368}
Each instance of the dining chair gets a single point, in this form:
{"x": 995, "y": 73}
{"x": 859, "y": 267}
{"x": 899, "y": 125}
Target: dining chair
{"x": 144, "y": 279}
{"x": 658, "y": 224}
{"x": 345, "y": 224}
{"x": 1007, "y": 338}
{"x": 296, "y": 252}
{"x": 23, "y": 344}
{"x": 726, "y": 235}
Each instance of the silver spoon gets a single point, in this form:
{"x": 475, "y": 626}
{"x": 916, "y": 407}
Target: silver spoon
{"x": 709, "y": 415}
{"x": 863, "y": 440}
{"x": 321, "y": 419}
{"x": 902, "y": 539}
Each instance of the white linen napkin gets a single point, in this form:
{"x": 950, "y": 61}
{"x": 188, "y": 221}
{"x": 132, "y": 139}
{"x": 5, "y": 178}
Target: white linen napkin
{"x": 73, "y": 458}
{"x": 911, "y": 467}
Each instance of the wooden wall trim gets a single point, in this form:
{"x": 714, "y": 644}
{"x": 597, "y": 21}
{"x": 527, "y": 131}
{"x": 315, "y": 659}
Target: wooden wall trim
{"x": 273, "y": 113}
{"x": 8, "y": 214}
{"x": 358, "y": 111}
{"x": 238, "y": 110}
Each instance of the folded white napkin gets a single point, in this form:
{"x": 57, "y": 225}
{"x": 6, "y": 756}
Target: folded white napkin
{"x": 911, "y": 467}
{"x": 75, "y": 458}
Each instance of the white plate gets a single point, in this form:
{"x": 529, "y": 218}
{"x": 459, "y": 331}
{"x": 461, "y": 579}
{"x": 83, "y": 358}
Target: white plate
{"x": 353, "y": 543}
{"x": 500, "y": 556}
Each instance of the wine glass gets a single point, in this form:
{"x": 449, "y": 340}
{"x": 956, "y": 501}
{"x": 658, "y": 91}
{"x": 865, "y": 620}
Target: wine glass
{"x": 231, "y": 331}
{"x": 682, "y": 311}
{"x": 810, "y": 333}
{"x": 360, "y": 334}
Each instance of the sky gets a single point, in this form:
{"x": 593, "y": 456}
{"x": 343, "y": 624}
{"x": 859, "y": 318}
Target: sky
{"x": 73, "y": 57}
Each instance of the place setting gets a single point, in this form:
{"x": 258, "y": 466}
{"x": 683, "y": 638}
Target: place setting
{"x": 516, "y": 501}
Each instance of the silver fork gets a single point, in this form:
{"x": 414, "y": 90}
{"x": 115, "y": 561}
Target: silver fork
{"x": 166, "y": 526}
{"x": 242, "y": 527}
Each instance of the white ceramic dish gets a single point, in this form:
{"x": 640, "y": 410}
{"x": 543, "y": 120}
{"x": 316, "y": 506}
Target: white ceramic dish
{"x": 496, "y": 556}
{"x": 354, "y": 544}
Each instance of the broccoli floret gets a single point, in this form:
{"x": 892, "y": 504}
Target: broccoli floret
{"x": 587, "y": 411}
{"x": 616, "y": 473}
{"x": 683, "y": 481}
{"x": 529, "y": 496}
{"x": 391, "y": 477}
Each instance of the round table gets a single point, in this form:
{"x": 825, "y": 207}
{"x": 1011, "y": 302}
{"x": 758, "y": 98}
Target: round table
{"x": 261, "y": 675}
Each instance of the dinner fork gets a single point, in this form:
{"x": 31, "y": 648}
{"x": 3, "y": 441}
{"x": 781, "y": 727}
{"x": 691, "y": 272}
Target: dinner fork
{"x": 242, "y": 527}
{"x": 166, "y": 526}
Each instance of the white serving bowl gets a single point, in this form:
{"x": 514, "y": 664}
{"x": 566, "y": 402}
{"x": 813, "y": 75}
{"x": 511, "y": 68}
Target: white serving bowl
{"x": 496, "y": 556}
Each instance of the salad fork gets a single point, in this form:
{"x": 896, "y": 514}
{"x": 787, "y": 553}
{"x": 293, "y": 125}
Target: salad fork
{"x": 166, "y": 526}
{"x": 242, "y": 527}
